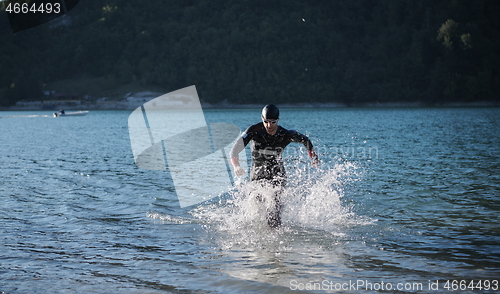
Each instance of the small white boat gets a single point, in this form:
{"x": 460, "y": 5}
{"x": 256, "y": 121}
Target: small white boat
{"x": 63, "y": 113}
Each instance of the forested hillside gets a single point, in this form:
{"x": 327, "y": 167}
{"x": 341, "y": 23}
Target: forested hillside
{"x": 352, "y": 51}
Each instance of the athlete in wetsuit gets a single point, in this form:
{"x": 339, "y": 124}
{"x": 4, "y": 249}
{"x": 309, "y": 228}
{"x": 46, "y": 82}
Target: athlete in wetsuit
{"x": 268, "y": 142}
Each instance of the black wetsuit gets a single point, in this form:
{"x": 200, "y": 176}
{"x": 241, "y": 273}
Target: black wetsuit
{"x": 267, "y": 163}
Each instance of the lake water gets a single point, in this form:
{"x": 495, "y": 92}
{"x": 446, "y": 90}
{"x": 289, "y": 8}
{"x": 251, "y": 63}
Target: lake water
{"x": 405, "y": 199}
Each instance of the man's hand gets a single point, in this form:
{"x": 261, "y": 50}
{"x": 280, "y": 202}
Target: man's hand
{"x": 238, "y": 171}
{"x": 314, "y": 158}
{"x": 315, "y": 162}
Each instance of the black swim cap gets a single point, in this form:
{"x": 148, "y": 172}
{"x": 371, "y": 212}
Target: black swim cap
{"x": 270, "y": 111}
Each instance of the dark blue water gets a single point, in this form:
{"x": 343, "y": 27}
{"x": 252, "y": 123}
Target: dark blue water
{"x": 405, "y": 199}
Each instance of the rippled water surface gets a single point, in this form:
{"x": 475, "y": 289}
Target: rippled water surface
{"x": 404, "y": 197}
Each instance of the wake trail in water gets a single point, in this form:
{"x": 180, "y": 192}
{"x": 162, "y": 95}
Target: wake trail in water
{"x": 34, "y": 115}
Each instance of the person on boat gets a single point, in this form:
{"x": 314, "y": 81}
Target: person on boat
{"x": 61, "y": 111}
{"x": 268, "y": 142}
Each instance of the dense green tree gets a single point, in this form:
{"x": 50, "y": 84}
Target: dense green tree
{"x": 254, "y": 51}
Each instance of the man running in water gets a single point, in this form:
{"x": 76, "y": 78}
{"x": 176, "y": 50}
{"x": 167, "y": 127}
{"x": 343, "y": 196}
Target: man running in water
{"x": 268, "y": 142}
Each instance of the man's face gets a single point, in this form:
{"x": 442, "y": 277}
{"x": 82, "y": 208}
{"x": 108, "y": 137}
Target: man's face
{"x": 271, "y": 125}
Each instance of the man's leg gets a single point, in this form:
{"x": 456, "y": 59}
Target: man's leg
{"x": 274, "y": 215}
{"x": 274, "y": 210}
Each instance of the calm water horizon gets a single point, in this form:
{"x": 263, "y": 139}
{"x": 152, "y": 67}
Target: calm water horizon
{"x": 406, "y": 200}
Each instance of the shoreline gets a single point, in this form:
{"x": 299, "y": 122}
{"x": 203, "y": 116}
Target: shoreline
{"x": 355, "y": 105}
{"x": 224, "y": 105}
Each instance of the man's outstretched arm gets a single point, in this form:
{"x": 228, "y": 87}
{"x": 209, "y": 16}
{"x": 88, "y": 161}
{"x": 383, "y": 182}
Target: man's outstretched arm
{"x": 238, "y": 146}
{"x": 304, "y": 140}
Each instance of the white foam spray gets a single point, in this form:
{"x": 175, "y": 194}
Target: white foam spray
{"x": 312, "y": 200}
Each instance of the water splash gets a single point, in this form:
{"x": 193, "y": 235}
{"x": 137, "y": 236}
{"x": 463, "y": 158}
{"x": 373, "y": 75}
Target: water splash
{"x": 167, "y": 218}
{"x": 315, "y": 202}
{"x": 312, "y": 200}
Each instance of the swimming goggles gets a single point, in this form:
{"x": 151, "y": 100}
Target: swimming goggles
{"x": 270, "y": 121}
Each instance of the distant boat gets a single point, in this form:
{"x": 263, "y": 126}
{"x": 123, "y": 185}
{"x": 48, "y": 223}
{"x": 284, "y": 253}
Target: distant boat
{"x": 63, "y": 113}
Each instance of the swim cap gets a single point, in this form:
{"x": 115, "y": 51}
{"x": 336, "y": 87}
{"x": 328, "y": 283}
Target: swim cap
{"x": 270, "y": 111}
